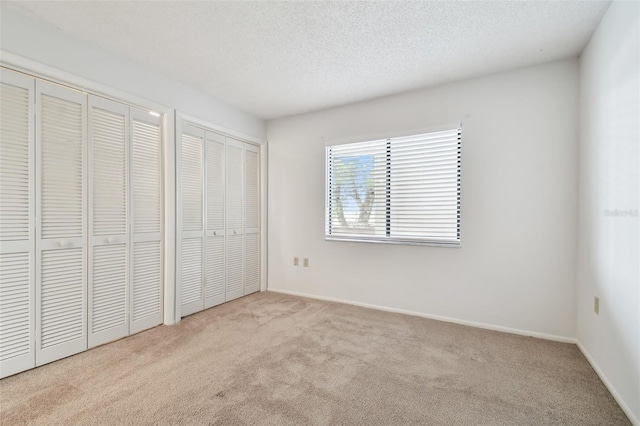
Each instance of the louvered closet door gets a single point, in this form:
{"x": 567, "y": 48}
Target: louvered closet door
{"x": 146, "y": 184}
{"x": 252, "y": 219}
{"x": 215, "y": 242}
{"x": 17, "y": 242}
{"x": 190, "y": 182}
{"x": 108, "y": 221}
{"x": 61, "y": 296}
{"x": 234, "y": 287}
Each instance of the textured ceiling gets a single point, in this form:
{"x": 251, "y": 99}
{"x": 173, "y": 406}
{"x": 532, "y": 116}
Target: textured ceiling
{"x": 274, "y": 59}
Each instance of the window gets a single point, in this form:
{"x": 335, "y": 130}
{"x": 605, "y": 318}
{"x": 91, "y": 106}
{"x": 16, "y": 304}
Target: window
{"x": 401, "y": 190}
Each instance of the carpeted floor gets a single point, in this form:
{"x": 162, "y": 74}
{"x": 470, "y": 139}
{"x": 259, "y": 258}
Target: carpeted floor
{"x": 273, "y": 359}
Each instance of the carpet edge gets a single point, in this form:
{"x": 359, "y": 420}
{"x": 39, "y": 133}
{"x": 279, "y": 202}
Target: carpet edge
{"x": 538, "y": 335}
{"x": 612, "y": 390}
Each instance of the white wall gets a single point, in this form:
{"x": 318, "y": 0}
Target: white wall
{"x": 608, "y": 246}
{"x": 45, "y": 44}
{"x": 516, "y": 267}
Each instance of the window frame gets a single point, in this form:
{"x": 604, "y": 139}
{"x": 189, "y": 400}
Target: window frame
{"x": 388, "y": 239}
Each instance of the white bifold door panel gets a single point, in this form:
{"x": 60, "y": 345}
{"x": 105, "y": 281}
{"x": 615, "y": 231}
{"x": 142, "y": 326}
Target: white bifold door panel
{"x": 252, "y": 219}
{"x": 17, "y": 213}
{"x": 146, "y": 238}
{"x": 190, "y": 183}
{"x": 218, "y": 218}
{"x": 215, "y": 235}
{"x": 61, "y": 225}
{"x": 108, "y": 220}
{"x": 235, "y": 219}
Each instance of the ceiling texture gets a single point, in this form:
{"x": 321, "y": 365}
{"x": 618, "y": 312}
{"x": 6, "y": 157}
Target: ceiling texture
{"x": 274, "y": 59}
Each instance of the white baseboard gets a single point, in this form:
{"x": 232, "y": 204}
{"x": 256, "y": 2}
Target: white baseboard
{"x": 625, "y": 408}
{"x": 545, "y": 336}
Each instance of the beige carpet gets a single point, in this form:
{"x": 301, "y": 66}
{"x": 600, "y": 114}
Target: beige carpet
{"x": 273, "y": 359}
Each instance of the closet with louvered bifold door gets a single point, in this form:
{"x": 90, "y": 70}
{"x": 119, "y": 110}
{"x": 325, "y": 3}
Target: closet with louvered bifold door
{"x": 80, "y": 221}
{"x": 218, "y": 194}
{"x": 124, "y": 221}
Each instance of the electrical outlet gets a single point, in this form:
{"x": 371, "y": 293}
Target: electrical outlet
{"x": 596, "y": 305}
{"x": 305, "y": 262}
{"x": 296, "y": 261}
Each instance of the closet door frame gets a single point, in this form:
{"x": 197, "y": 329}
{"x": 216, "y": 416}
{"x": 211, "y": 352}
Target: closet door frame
{"x": 56, "y": 352}
{"x": 28, "y": 360}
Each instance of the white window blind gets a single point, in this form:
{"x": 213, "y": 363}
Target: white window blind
{"x": 402, "y": 190}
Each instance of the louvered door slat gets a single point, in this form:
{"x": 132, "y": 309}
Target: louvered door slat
{"x": 215, "y": 185}
{"x": 59, "y": 329}
{"x": 61, "y": 169}
{"x": 235, "y": 196}
{"x": 214, "y": 289}
{"x": 234, "y": 286}
{"x": 146, "y": 177}
{"x": 61, "y": 308}
{"x": 191, "y": 274}
{"x": 108, "y": 220}
{"x": 109, "y": 290}
{"x": 147, "y": 289}
{"x": 252, "y": 263}
{"x": 15, "y": 306}
{"x": 17, "y": 240}
{"x": 146, "y": 274}
{"x": 191, "y": 183}
{"x": 108, "y": 143}
{"x": 15, "y": 162}
{"x": 252, "y": 190}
